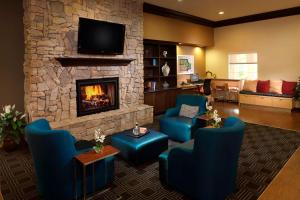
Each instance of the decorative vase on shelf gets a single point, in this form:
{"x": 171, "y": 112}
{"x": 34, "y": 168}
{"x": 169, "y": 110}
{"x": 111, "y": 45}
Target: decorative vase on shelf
{"x": 165, "y": 53}
{"x": 165, "y": 84}
{"x": 165, "y": 69}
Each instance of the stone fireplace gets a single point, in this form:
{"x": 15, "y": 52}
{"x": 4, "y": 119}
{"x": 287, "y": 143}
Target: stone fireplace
{"x": 53, "y": 66}
{"x": 97, "y": 95}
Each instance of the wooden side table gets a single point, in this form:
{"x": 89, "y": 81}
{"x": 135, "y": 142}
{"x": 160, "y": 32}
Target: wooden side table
{"x": 204, "y": 117}
{"x": 91, "y": 157}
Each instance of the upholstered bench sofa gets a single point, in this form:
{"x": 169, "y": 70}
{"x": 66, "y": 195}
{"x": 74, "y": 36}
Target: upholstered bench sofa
{"x": 267, "y": 97}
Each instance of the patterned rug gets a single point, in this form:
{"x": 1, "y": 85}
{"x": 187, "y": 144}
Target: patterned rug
{"x": 264, "y": 152}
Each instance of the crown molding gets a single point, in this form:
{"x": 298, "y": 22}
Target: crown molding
{"x": 153, "y": 9}
{"x": 259, "y": 17}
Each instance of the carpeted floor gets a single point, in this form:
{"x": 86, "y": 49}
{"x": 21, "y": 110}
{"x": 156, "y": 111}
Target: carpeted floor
{"x": 264, "y": 152}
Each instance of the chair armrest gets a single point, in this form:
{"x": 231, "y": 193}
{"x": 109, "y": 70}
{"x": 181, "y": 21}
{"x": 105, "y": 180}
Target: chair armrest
{"x": 195, "y": 119}
{"x": 171, "y": 112}
{"x": 74, "y": 139}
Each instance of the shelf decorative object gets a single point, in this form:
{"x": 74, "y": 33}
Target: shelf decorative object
{"x": 165, "y": 53}
{"x": 154, "y": 62}
{"x": 165, "y": 84}
{"x": 165, "y": 69}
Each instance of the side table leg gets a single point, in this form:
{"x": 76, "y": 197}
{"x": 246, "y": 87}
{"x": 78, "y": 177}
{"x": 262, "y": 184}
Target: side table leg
{"x": 84, "y": 182}
{"x": 94, "y": 179}
{"x": 75, "y": 177}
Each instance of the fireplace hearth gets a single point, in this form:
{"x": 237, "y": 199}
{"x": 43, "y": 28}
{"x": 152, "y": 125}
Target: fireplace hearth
{"x": 97, "y": 95}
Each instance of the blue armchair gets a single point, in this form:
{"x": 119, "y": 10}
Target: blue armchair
{"x": 180, "y": 128}
{"x": 206, "y": 167}
{"x": 53, "y": 153}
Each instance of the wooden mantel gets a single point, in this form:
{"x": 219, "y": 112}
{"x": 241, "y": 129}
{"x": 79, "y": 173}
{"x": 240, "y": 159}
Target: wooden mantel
{"x": 93, "y": 61}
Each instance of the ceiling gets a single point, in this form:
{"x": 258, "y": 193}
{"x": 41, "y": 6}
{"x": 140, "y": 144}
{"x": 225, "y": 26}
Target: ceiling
{"x": 209, "y": 9}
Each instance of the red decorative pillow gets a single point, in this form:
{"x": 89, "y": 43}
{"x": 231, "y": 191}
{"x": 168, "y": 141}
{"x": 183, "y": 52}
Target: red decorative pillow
{"x": 263, "y": 86}
{"x": 289, "y": 87}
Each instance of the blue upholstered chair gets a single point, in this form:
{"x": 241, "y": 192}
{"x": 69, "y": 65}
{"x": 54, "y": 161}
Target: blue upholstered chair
{"x": 180, "y": 128}
{"x": 206, "y": 167}
{"x": 53, "y": 153}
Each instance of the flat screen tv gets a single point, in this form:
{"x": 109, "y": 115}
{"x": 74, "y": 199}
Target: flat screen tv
{"x": 99, "y": 37}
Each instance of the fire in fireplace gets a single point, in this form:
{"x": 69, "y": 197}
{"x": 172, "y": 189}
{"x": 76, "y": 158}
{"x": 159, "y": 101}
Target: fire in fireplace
{"x": 97, "y": 95}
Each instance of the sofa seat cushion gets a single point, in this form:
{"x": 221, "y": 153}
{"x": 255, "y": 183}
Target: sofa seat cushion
{"x": 267, "y": 94}
{"x": 181, "y": 120}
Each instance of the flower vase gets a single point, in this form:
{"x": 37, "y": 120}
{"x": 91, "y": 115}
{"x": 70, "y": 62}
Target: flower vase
{"x": 98, "y": 148}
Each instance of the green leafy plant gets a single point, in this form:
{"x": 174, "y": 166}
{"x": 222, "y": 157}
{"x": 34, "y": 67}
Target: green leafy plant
{"x": 12, "y": 123}
{"x": 298, "y": 89}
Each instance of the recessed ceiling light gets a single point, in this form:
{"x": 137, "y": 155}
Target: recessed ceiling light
{"x": 221, "y": 12}
{"x": 180, "y": 0}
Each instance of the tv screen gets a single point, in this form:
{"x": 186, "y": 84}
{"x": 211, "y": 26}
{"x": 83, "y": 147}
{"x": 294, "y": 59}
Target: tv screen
{"x": 99, "y": 37}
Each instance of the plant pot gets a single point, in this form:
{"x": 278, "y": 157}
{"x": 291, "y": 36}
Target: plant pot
{"x": 9, "y": 145}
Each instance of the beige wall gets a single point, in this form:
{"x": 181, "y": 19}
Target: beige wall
{"x": 199, "y": 56}
{"x": 11, "y": 54}
{"x": 169, "y": 29}
{"x": 277, "y": 42}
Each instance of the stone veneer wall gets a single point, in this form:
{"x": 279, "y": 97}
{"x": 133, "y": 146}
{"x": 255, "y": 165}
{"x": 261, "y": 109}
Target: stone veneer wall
{"x": 51, "y": 29}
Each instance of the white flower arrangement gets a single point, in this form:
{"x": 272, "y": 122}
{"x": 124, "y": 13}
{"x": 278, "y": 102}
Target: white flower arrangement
{"x": 215, "y": 119}
{"x": 99, "y": 140}
{"x": 208, "y": 107}
{"x": 12, "y": 123}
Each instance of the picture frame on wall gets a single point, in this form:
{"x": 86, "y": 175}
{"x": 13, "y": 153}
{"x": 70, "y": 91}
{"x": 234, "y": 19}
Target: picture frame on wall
{"x": 185, "y": 64}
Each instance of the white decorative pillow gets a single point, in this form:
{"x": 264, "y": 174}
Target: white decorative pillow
{"x": 275, "y": 87}
{"x": 188, "y": 111}
{"x": 250, "y": 85}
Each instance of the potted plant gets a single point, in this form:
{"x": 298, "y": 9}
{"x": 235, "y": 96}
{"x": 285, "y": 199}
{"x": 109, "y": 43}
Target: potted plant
{"x": 298, "y": 89}
{"x": 12, "y": 123}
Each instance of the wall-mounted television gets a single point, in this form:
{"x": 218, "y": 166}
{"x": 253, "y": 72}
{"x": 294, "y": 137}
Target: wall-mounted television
{"x": 100, "y": 37}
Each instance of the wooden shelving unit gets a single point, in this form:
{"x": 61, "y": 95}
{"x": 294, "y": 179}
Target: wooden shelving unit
{"x": 154, "y": 60}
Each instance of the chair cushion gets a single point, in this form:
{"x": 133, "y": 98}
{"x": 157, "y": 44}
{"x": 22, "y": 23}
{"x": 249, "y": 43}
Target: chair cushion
{"x": 250, "y": 85}
{"x": 267, "y": 94}
{"x": 181, "y": 120}
{"x": 263, "y": 86}
{"x": 186, "y": 145}
{"x": 289, "y": 87}
{"x": 188, "y": 111}
{"x": 276, "y": 87}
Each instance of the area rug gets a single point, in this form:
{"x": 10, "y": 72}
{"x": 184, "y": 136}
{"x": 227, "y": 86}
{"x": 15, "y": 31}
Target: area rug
{"x": 264, "y": 152}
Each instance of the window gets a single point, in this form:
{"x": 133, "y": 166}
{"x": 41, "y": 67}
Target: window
{"x": 242, "y": 66}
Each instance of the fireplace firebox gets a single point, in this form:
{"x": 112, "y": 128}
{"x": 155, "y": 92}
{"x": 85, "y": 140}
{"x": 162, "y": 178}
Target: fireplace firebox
{"x": 97, "y": 95}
